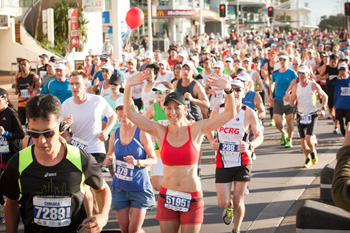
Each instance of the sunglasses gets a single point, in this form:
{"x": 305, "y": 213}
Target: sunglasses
{"x": 341, "y": 69}
{"x": 104, "y": 71}
{"x": 237, "y": 89}
{"x": 295, "y": 64}
{"x": 177, "y": 68}
{"x": 160, "y": 92}
{"x": 281, "y": 59}
{"x": 47, "y": 133}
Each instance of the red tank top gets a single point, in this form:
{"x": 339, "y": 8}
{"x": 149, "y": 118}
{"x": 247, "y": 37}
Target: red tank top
{"x": 187, "y": 154}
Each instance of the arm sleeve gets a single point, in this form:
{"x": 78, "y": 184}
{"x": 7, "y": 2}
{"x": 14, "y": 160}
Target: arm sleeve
{"x": 91, "y": 170}
{"x": 17, "y": 131}
{"x": 9, "y": 179}
{"x": 341, "y": 179}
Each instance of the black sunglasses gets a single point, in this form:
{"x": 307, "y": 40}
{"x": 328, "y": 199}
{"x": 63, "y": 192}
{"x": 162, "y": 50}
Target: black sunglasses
{"x": 47, "y": 133}
{"x": 341, "y": 69}
{"x": 237, "y": 89}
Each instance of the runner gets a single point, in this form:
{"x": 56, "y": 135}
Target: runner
{"x": 180, "y": 181}
{"x": 131, "y": 190}
{"x": 304, "y": 94}
{"x": 233, "y": 156}
{"x": 44, "y": 182}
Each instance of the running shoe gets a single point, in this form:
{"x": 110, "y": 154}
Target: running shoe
{"x": 314, "y": 158}
{"x": 335, "y": 131}
{"x": 272, "y": 122}
{"x": 307, "y": 163}
{"x": 235, "y": 231}
{"x": 2, "y": 215}
{"x": 283, "y": 140}
{"x": 228, "y": 216}
{"x": 104, "y": 169}
{"x": 288, "y": 144}
{"x": 246, "y": 192}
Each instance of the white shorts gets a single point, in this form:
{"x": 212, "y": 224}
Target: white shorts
{"x": 158, "y": 168}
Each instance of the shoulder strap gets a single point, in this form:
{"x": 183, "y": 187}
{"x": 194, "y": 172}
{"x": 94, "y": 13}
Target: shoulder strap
{"x": 24, "y": 160}
{"x": 166, "y": 132}
{"x": 189, "y": 132}
{"x": 244, "y": 107}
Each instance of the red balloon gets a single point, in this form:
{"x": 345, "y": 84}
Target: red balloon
{"x": 134, "y": 18}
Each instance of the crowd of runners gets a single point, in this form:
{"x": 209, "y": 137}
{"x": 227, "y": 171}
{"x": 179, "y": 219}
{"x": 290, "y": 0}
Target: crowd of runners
{"x": 143, "y": 119}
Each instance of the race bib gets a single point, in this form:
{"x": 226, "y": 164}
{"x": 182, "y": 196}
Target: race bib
{"x": 124, "y": 170}
{"x": 80, "y": 143}
{"x": 4, "y": 146}
{"x": 345, "y": 91}
{"x": 177, "y": 201}
{"x": 52, "y": 212}
{"x": 305, "y": 119}
{"x": 188, "y": 104}
{"x": 227, "y": 148}
{"x": 25, "y": 93}
{"x": 163, "y": 122}
{"x": 42, "y": 73}
{"x": 332, "y": 77}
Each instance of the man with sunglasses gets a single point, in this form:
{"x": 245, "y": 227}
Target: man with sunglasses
{"x": 342, "y": 96}
{"x": 304, "y": 94}
{"x": 280, "y": 82}
{"x": 233, "y": 156}
{"x": 45, "y": 182}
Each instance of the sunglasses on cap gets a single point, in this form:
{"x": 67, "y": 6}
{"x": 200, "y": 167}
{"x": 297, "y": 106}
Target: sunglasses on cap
{"x": 161, "y": 92}
{"x": 47, "y": 133}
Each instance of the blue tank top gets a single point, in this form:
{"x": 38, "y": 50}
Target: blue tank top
{"x": 249, "y": 99}
{"x": 135, "y": 179}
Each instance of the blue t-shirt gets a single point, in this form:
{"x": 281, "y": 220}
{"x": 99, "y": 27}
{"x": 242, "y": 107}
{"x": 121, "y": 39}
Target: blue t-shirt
{"x": 100, "y": 77}
{"x": 59, "y": 89}
{"x": 140, "y": 179}
{"x": 342, "y": 93}
{"x": 249, "y": 99}
{"x": 283, "y": 81}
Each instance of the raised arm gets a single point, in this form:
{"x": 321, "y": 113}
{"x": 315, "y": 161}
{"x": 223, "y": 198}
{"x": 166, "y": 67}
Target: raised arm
{"x": 218, "y": 120}
{"x": 142, "y": 122}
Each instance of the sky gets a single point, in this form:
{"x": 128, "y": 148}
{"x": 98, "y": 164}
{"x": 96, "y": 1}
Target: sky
{"x": 323, "y": 7}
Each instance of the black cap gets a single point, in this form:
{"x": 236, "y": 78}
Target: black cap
{"x": 176, "y": 96}
{"x": 53, "y": 59}
{"x": 44, "y": 55}
{"x": 3, "y": 93}
{"x": 116, "y": 79}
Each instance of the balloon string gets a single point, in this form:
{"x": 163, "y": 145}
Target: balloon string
{"x": 127, "y": 40}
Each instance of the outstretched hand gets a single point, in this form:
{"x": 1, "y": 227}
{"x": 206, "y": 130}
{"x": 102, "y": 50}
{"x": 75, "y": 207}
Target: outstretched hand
{"x": 138, "y": 78}
{"x": 217, "y": 81}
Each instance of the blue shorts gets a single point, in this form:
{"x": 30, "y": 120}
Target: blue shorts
{"x": 122, "y": 199}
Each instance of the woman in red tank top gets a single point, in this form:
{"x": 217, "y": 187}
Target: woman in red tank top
{"x": 180, "y": 201}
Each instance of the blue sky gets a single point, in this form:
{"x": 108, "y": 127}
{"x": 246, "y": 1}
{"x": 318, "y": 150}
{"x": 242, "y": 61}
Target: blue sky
{"x": 323, "y": 7}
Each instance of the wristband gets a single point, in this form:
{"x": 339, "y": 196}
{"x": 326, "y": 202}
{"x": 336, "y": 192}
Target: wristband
{"x": 250, "y": 147}
{"x": 230, "y": 91}
{"x": 6, "y": 133}
{"x": 140, "y": 164}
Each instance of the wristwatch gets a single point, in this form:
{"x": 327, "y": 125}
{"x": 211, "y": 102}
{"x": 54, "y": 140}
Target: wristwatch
{"x": 250, "y": 147}
{"x": 229, "y": 92}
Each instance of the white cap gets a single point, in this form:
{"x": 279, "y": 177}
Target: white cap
{"x": 310, "y": 51}
{"x": 182, "y": 53}
{"x": 343, "y": 65}
{"x": 219, "y": 64}
{"x": 229, "y": 59}
{"x": 346, "y": 58}
{"x": 236, "y": 52}
{"x": 285, "y": 57}
{"x": 244, "y": 77}
{"x": 164, "y": 63}
{"x": 237, "y": 82}
{"x": 160, "y": 87}
{"x": 108, "y": 67}
{"x": 60, "y": 66}
{"x": 303, "y": 69}
{"x": 195, "y": 58}
{"x": 189, "y": 64}
{"x": 246, "y": 59}
{"x": 119, "y": 102}
{"x": 148, "y": 54}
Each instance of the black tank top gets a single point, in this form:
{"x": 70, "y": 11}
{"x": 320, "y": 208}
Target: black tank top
{"x": 23, "y": 83}
{"x": 194, "y": 109}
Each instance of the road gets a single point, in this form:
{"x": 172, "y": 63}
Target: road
{"x": 278, "y": 182}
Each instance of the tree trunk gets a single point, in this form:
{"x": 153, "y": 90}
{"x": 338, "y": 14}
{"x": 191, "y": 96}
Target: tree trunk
{"x": 38, "y": 20}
